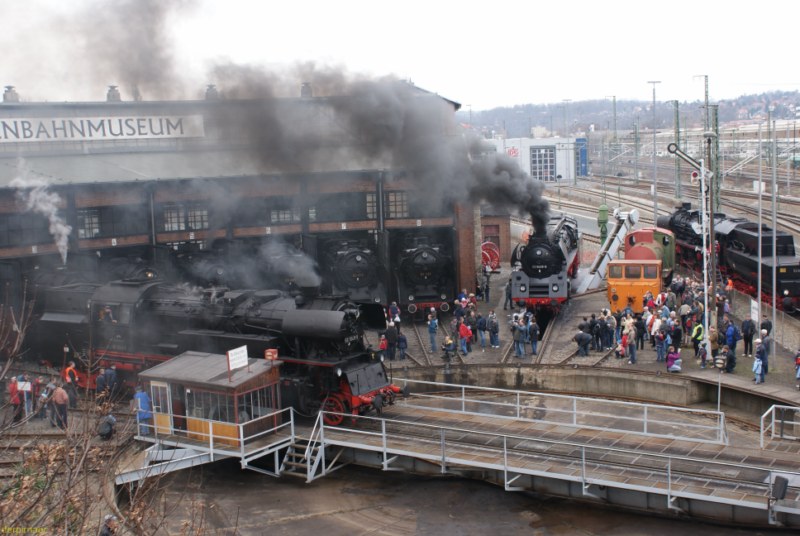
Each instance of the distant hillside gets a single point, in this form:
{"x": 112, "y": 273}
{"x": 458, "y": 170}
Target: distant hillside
{"x": 581, "y": 116}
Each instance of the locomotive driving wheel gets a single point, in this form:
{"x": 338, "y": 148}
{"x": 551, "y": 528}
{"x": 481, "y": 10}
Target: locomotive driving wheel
{"x": 334, "y": 403}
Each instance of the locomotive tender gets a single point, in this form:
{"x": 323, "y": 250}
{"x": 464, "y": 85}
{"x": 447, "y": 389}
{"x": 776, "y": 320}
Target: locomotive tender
{"x": 738, "y": 253}
{"x": 136, "y": 324}
{"x": 542, "y": 268}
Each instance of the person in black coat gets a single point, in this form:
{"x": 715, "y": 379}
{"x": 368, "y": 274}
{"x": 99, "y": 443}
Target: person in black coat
{"x": 100, "y": 386}
{"x": 391, "y": 340}
{"x": 112, "y": 383}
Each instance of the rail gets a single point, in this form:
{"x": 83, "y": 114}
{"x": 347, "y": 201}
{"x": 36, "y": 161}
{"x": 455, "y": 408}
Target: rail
{"x": 775, "y": 423}
{"x": 593, "y": 413}
{"x": 675, "y": 476}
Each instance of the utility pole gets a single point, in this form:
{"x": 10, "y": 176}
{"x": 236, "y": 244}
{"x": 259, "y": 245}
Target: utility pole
{"x": 655, "y": 166}
{"x": 716, "y": 178}
{"x": 566, "y": 130}
{"x": 676, "y": 104}
{"x": 636, "y": 151}
{"x": 712, "y": 246}
{"x": 614, "y": 147}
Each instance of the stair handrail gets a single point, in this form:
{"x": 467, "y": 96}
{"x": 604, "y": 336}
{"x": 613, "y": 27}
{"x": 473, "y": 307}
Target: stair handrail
{"x": 314, "y": 438}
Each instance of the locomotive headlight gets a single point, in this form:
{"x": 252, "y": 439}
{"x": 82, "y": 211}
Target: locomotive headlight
{"x": 523, "y": 288}
{"x": 339, "y": 372}
{"x": 358, "y": 258}
{"x": 555, "y": 287}
{"x": 538, "y": 252}
{"x": 410, "y": 297}
{"x": 376, "y": 299}
{"x": 786, "y": 292}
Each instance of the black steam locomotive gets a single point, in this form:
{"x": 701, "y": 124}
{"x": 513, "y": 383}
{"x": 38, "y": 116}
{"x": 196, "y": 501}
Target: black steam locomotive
{"x": 542, "y": 268}
{"x": 135, "y": 324}
{"x": 424, "y": 273}
{"x": 738, "y": 253}
{"x": 353, "y": 268}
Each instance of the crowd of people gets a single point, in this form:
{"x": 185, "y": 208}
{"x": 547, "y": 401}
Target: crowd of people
{"x": 52, "y": 398}
{"x": 673, "y": 320}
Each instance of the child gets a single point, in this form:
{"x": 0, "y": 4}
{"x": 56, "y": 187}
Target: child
{"x": 758, "y": 370}
{"x": 702, "y": 355}
{"x": 448, "y": 348}
{"x": 674, "y": 360}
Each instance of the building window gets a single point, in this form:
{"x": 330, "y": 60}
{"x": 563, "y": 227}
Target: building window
{"x": 312, "y": 214}
{"x": 174, "y": 218}
{"x": 396, "y": 205}
{"x": 543, "y": 163}
{"x": 197, "y": 218}
{"x": 88, "y": 223}
{"x": 291, "y": 215}
{"x": 372, "y": 207}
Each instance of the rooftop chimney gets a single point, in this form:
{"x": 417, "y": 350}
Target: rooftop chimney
{"x": 10, "y": 94}
{"x": 113, "y": 94}
{"x": 305, "y": 91}
{"x": 211, "y": 92}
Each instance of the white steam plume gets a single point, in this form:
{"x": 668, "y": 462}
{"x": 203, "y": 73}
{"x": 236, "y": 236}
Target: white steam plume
{"x": 35, "y": 195}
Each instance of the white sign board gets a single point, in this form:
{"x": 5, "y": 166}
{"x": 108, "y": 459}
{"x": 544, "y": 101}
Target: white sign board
{"x": 237, "y": 358}
{"x": 754, "y": 312}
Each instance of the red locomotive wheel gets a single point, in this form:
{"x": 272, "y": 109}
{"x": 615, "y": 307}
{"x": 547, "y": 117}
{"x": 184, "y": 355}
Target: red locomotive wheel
{"x": 335, "y": 404}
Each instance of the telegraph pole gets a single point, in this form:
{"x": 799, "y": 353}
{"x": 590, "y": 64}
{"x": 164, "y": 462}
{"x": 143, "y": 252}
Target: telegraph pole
{"x": 709, "y": 136}
{"x": 676, "y": 104}
{"x": 655, "y": 167}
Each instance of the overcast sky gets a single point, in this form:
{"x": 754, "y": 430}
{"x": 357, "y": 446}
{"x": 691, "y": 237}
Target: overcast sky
{"x": 481, "y": 54}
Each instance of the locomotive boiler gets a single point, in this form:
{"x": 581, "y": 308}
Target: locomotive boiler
{"x": 136, "y": 324}
{"x": 353, "y": 269}
{"x": 424, "y": 275}
{"x": 543, "y": 267}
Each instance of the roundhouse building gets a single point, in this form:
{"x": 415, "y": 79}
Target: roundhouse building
{"x": 86, "y": 188}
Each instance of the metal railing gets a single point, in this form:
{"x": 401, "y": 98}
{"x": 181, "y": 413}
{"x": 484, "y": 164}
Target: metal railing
{"x": 673, "y": 476}
{"x": 217, "y": 441}
{"x": 782, "y": 422}
{"x": 593, "y": 413}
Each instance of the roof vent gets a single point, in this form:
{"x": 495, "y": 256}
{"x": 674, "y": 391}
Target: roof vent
{"x": 211, "y": 92}
{"x": 305, "y": 91}
{"x": 10, "y": 94}
{"x": 113, "y": 94}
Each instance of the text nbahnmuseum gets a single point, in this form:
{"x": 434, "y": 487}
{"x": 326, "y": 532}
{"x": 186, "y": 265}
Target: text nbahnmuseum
{"x": 15, "y": 130}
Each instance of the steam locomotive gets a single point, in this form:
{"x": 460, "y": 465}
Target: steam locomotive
{"x": 543, "y": 267}
{"x": 424, "y": 273}
{"x": 738, "y": 254}
{"x": 135, "y": 324}
{"x": 352, "y": 268}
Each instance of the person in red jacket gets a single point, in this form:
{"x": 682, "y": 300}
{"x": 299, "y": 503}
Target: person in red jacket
{"x": 464, "y": 335}
{"x": 15, "y": 397}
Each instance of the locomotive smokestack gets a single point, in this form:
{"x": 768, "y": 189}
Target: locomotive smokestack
{"x": 10, "y": 94}
{"x": 211, "y": 92}
{"x": 113, "y": 94}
